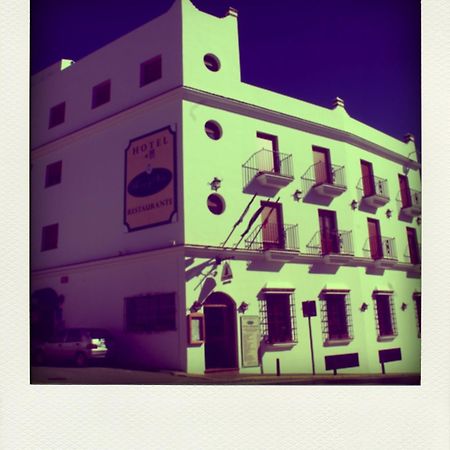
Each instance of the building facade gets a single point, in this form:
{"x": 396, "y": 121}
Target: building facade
{"x": 212, "y": 225}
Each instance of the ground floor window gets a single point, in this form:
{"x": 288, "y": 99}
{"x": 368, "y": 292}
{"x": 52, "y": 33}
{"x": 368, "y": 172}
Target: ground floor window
{"x": 385, "y": 315}
{"x": 277, "y": 310}
{"x": 417, "y": 297}
{"x": 336, "y": 315}
{"x": 150, "y": 313}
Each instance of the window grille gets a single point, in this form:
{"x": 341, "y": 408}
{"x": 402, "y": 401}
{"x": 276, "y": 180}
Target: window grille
{"x": 277, "y": 317}
{"x": 336, "y": 317}
{"x": 385, "y": 315}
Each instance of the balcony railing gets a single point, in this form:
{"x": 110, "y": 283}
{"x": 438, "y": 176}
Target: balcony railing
{"x": 273, "y": 237}
{"x": 370, "y": 186}
{"x": 410, "y": 202}
{"x": 319, "y": 174}
{"x": 380, "y": 248}
{"x": 267, "y": 162}
{"x": 337, "y": 242}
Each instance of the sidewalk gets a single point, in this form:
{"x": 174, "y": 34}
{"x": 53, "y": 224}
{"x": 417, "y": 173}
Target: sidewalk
{"x": 105, "y": 375}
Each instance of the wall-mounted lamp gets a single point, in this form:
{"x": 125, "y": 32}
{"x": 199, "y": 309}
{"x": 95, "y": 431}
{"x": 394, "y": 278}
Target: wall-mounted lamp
{"x": 419, "y": 221}
{"x": 354, "y": 204}
{"x": 215, "y": 183}
{"x": 403, "y": 306}
{"x": 388, "y": 213}
{"x": 364, "y": 306}
{"x": 243, "y": 307}
{"x": 297, "y": 195}
{"x": 196, "y": 306}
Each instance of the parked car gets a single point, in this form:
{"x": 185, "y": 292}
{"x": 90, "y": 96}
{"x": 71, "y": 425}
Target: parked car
{"x": 76, "y": 345}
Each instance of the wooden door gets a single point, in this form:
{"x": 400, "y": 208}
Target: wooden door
{"x": 220, "y": 332}
{"x": 328, "y": 232}
{"x": 376, "y": 249}
{"x": 322, "y": 166}
{"x": 269, "y": 160}
{"x": 367, "y": 178}
{"x": 413, "y": 245}
{"x": 272, "y": 229}
{"x": 405, "y": 193}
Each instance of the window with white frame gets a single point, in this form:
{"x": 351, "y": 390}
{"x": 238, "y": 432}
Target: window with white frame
{"x": 277, "y": 314}
{"x": 150, "y": 313}
{"x": 385, "y": 314}
{"x": 336, "y": 315}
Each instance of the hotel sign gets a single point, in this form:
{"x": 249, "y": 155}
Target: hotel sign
{"x": 150, "y": 180}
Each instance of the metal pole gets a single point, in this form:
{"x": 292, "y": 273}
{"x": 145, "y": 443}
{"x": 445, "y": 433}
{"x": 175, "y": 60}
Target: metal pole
{"x": 278, "y": 367}
{"x": 311, "y": 345}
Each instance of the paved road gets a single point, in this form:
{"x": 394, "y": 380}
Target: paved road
{"x": 106, "y": 375}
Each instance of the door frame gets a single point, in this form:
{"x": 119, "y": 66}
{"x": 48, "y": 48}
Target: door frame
{"x": 222, "y": 300}
{"x": 275, "y": 150}
{"x": 378, "y": 253}
{"x": 405, "y": 193}
{"x": 368, "y": 186}
{"x": 278, "y": 211}
{"x": 328, "y": 237}
{"x": 327, "y": 161}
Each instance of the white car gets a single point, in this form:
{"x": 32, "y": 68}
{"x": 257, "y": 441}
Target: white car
{"x": 76, "y": 345}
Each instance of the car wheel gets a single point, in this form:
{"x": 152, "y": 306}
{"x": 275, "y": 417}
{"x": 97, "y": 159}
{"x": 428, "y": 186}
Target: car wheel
{"x": 80, "y": 360}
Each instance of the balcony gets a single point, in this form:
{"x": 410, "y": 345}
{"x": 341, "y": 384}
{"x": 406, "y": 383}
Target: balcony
{"x": 382, "y": 250}
{"x": 324, "y": 180}
{"x": 266, "y": 172}
{"x": 413, "y": 257}
{"x": 373, "y": 191}
{"x": 335, "y": 247}
{"x": 410, "y": 202}
{"x": 279, "y": 243}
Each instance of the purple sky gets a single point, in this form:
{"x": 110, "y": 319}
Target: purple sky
{"x": 364, "y": 51}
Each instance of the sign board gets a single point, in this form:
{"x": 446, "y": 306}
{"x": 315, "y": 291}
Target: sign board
{"x": 150, "y": 180}
{"x": 335, "y": 362}
{"x": 250, "y": 339}
{"x": 227, "y": 274}
{"x": 309, "y": 309}
{"x": 392, "y": 354}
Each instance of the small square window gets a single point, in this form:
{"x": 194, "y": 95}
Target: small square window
{"x": 101, "y": 94}
{"x": 151, "y": 70}
{"x": 53, "y": 174}
{"x": 57, "y": 115}
{"x": 277, "y": 310}
{"x": 385, "y": 315}
{"x": 49, "y": 237}
{"x": 336, "y": 316}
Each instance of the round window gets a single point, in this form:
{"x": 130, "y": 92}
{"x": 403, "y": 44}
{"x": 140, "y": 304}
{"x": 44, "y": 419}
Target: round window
{"x": 213, "y": 130}
{"x": 216, "y": 204}
{"x": 212, "y": 62}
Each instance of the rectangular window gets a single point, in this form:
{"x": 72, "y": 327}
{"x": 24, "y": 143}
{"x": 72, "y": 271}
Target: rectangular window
{"x": 272, "y": 225}
{"x": 368, "y": 180}
{"x": 49, "y": 237}
{"x": 385, "y": 315}
{"x": 322, "y": 165}
{"x": 268, "y": 158}
{"x": 329, "y": 235}
{"x": 150, "y": 313}
{"x": 53, "y": 174}
{"x": 405, "y": 193}
{"x": 101, "y": 94}
{"x": 413, "y": 245}
{"x": 417, "y": 297}
{"x": 57, "y": 115}
{"x": 151, "y": 70}
{"x": 375, "y": 242}
{"x": 277, "y": 310}
{"x": 336, "y": 316}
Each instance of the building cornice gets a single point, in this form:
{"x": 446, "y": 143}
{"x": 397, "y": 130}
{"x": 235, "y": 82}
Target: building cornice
{"x": 279, "y": 118}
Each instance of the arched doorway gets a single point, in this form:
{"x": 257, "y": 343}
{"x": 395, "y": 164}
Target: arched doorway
{"x": 220, "y": 332}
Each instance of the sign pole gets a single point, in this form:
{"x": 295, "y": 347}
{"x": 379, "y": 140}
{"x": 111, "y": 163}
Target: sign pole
{"x": 311, "y": 345}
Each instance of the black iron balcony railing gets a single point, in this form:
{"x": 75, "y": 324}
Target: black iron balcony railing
{"x": 414, "y": 256}
{"x": 338, "y": 242}
{"x": 380, "y": 248}
{"x": 370, "y": 186}
{"x": 410, "y": 197}
{"x": 321, "y": 173}
{"x": 273, "y": 236}
{"x": 267, "y": 161}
